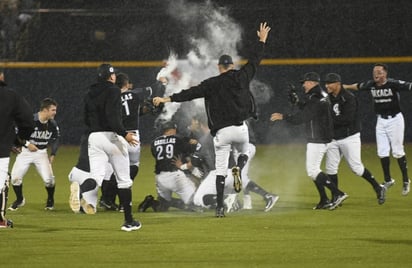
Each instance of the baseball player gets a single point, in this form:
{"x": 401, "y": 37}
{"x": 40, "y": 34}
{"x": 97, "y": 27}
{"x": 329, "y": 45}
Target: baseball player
{"x": 206, "y": 155}
{"x": 251, "y": 186}
{"x": 46, "y": 132}
{"x": 82, "y": 188}
{"x": 315, "y": 113}
{"x": 390, "y": 125}
{"x": 346, "y": 138}
{"x": 15, "y": 112}
{"x": 169, "y": 179}
{"x": 201, "y": 166}
{"x": 133, "y": 106}
{"x": 108, "y": 139}
{"x": 228, "y": 103}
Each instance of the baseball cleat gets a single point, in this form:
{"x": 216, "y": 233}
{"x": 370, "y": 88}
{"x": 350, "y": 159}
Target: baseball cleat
{"x": 323, "y": 205}
{"x": 146, "y": 203}
{"x": 49, "y": 204}
{"x": 108, "y": 205}
{"x": 271, "y": 200}
{"x": 87, "y": 208}
{"x": 74, "y": 199}
{"x": 131, "y": 226}
{"x": 6, "y": 223}
{"x": 338, "y": 201}
{"x": 220, "y": 212}
{"x": 17, "y": 204}
{"x": 381, "y": 195}
{"x": 237, "y": 180}
{"x": 406, "y": 187}
{"x": 389, "y": 183}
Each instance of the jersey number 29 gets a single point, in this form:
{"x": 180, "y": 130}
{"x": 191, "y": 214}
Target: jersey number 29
{"x": 164, "y": 152}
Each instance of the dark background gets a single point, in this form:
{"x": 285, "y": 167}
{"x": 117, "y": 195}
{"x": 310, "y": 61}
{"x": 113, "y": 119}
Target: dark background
{"x": 102, "y": 31}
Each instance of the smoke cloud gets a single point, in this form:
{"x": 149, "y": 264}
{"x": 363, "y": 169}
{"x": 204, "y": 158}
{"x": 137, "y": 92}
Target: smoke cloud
{"x": 211, "y": 32}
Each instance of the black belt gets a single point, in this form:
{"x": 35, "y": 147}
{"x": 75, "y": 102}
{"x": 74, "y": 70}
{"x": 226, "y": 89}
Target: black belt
{"x": 238, "y": 124}
{"x": 387, "y": 116}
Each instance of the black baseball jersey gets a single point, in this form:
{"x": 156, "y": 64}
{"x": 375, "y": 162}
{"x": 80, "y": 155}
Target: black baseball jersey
{"x": 132, "y": 103}
{"x": 250, "y": 127}
{"x": 345, "y": 115}
{"x": 102, "y": 110}
{"x": 83, "y": 160}
{"x": 15, "y": 112}
{"x": 386, "y": 97}
{"x": 45, "y": 134}
{"x": 165, "y": 148}
{"x": 206, "y": 153}
{"x": 228, "y": 100}
{"x": 316, "y": 115}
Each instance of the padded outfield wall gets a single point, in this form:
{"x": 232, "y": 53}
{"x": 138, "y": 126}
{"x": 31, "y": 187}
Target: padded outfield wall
{"x": 67, "y": 82}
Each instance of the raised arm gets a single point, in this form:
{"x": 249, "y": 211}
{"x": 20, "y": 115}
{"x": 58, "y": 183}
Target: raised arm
{"x": 263, "y": 32}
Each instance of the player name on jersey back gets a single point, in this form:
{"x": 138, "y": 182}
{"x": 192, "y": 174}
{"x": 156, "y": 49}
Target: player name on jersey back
{"x": 165, "y": 140}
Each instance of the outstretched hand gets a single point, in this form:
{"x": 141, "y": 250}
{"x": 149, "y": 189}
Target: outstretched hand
{"x": 263, "y": 32}
{"x": 158, "y": 100}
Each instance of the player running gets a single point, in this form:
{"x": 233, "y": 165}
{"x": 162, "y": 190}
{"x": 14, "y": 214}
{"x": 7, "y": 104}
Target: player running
{"x": 390, "y": 125}
{"x": 315, "y": 113}
{"x": 346, "y": 135}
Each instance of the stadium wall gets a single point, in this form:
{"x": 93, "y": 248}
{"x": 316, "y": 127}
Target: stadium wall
{"x": 67, "y": 82}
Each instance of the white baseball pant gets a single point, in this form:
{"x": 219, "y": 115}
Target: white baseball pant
{"x": 225, "y": 138}
{"x": 350, "y": 149}
{"x": 169, "y": 182}
{"x": 134, "y": 151}
{"x": 390, "y": 134}
{"x": 108, "y": 147}
{"x": 40, "y": 159}
{"x": 79, "y": 176}
{"x": 208, "y": 186}
{"x": 314, "y": 156}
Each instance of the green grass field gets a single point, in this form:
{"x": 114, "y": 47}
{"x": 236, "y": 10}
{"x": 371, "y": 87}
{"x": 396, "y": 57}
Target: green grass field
{"x": 359, "y": 234}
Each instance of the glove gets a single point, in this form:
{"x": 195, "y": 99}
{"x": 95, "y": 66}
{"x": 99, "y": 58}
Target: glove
{"x": 293, "y": 96}
{"x": 155, "y": 110}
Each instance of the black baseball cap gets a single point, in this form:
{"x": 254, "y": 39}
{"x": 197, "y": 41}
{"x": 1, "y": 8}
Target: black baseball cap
{"x": 312, "y": 76}
{"x": 225, "y": 60}
{"x": 332, "y": 78}
{"x": 168, "y": 125}
{"x": 105, "y": 70}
